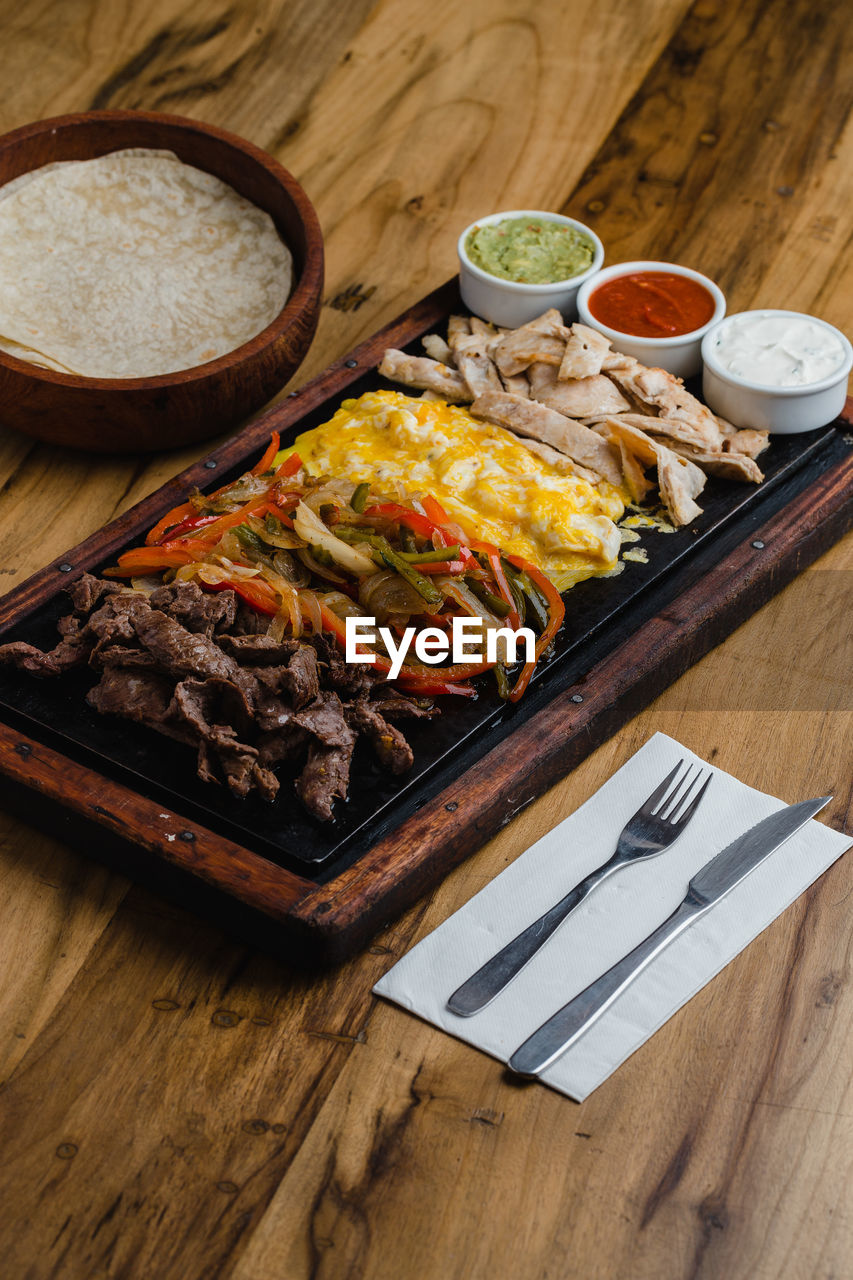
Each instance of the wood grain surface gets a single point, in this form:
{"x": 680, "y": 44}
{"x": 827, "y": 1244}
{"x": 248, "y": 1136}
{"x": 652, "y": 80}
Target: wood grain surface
{"x": 175, "y": 1106}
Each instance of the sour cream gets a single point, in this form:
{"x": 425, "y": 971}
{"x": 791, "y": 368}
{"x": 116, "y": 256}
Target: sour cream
{"x": 777, "y": 349}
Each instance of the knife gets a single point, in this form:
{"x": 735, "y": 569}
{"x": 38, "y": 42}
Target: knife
{"x": 717, "y": 878}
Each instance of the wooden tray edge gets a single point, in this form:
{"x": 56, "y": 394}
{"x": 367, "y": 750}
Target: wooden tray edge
{"x": 159, "y": 831}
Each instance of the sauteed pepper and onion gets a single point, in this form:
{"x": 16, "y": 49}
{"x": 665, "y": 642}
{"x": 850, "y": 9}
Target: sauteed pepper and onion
{"x": 309, "y": 552}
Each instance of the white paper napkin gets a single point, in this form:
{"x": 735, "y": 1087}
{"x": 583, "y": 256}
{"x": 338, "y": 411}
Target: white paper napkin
{"x": 613, "y": 919}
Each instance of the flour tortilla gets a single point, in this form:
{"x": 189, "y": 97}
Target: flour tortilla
{"x": 133, "y": 265}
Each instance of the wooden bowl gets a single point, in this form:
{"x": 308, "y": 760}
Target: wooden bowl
{"x": 130, "y": 415}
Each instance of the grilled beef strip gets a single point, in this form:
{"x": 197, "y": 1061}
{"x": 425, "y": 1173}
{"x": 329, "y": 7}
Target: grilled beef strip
{"x": 198, "y": 667}
{"x": 258, "y": 650}
{"x": 143, "y": 696}
{"x": 111, "y": 620}
{"x": 388, "y": 742}
{"x": 215, "y": 711}
{"x": 197, "y": 610}
{"x": 325, "y": 778}
{"x": 89, "y": 591}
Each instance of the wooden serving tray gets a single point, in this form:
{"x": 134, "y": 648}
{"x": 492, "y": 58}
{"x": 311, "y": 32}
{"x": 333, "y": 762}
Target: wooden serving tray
{"x": 319, "y": 903}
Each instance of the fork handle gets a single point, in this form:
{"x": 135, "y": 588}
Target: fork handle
{"x": 482, "y": 987}
{"x": 568, "y": 1024}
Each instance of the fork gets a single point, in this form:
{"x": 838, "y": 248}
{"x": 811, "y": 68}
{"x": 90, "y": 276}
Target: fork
{"x": 654, "y": 827}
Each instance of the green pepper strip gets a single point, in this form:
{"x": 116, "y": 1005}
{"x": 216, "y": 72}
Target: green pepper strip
{"x": 408, "y": 539}
{"x": 517, "y": 594}
{"x": 532, "y": 594}
{"x": 430, "y": 557}
{"x": 358, "y": 501}
{"x": 353, "y": 532}
{"x": 421, "y": 584}
{"x": 502, "y": 680}
{"x": 496, "y": 603}
{"x": 249, "y": 539}
{"x": 556, "y": 614}
{"x": 386, "y": 554}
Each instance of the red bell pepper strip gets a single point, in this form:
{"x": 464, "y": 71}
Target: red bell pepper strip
{"x": 435, "y": 510}
{"x": 426, "y": 528}
{"x": 290, "y": 466}
{"x": 557, "y": 613}
{"x": 493, "y": 556}
{"x": 279, "y": 514}
{"x": 168, "y": 521}
{"x": 265, "y": 461}
{"x": 214, "y": 532}
{"x": 437, "y": 513}
{"x": 287, "y": 501}
{"x": 257, "y": 594}
{"x": 187, "y": 525}
{"x": 404, "y": 515}
{"x": 141, "y": 561}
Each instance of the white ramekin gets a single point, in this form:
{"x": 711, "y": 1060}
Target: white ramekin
{"x": 508, "y": 303}
{"x": 785, "y": 410}
{"x": 680, "y": 354}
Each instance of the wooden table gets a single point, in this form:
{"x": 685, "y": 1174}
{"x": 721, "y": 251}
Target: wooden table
{"x": 177, "y": 1106}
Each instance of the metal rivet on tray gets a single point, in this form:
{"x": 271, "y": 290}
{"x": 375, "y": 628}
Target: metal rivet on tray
{"x": 577, "y": 697}
{"x": 65, "y": 567}
{"x": 758, "y": 544}
{"x": 351, "y": 364}
{"x": 189, "y": 836}
{"x": 211, "y": 465}
{"x": 452, "y": 806}
{"x": 291, "y": 394}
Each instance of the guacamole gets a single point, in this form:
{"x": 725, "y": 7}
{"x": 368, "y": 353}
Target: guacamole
{"x": 530, "y": 251}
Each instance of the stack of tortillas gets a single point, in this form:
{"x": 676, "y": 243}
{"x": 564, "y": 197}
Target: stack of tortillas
{"x": 133, "y": 265}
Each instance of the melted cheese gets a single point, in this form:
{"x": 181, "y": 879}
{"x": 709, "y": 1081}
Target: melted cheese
{"x": 482, "y": 475}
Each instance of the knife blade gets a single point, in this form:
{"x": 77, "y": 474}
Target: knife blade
{"x": 711, "y": 883}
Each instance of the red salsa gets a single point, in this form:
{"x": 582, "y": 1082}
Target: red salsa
{"x": 652, "y": 304}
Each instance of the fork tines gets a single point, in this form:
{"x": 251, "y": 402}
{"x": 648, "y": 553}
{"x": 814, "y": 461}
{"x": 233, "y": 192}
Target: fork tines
{"x": 677, "y": 803}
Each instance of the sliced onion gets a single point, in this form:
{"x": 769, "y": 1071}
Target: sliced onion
{"x": 317, "y": 567}
{"x": 335, "y": 491}
{"x": 286, "y": 540}
{"x": 310, "y": 527}
{"x": 235, "y": 496}
{"x": 146, "y": 585}
{"x": 212, "y": 574}
{"x": 291, "y": 569}
{"x": 238, "y": 570}
{"x": 278, "y": 625}
{"x": 311, "y": 611}
{"x": 229, "y": 545}
{"x": 342, "y": 605}
{"x": 289, "y": 599}
{"x": 386, "y": 593}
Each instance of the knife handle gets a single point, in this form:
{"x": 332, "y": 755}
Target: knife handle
{"x": 482, "y": 987}
{"x": 568, "y": 1024}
